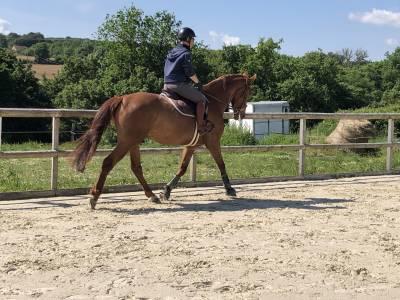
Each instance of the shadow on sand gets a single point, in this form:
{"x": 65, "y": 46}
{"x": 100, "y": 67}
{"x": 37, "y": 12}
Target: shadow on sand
{"x": 182, "y": 203}
{"x": 235, "y": 204}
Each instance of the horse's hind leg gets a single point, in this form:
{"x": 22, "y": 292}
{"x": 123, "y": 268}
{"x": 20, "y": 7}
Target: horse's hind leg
{"x": 137, "y": 170}
{"x": 108, "y": 164}
{"x": 185, "y": 160}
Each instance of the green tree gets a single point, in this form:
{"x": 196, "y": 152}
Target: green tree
{"x": 391, "y": 69}
{"x": 234, "y": 58}
{"x": 133, "y": 39}
{"x": 346, "y": 57}
{"x": 363, "y": 84}
{"x": 75, "y": 70}
{"x": 391, "y": 96}
{"x": 361, "y": 57}
{"x": 314, "y": 85}
{"x": 81, "y": 95}
{"x": 283, "y": 67}
{"x": 12, "y": 37}
{"x": 203, "y": 67}
{"x": 29, "y": 39}
{"x": 85, "y": 48}
{"x": 261, "y": 62}
{"x": 62, "y": 49}
{"x": 20, "y": 89}
{"x": 3, "y": 41}
{"x": 41, "y": 52}
{"x": 129, "y": 58}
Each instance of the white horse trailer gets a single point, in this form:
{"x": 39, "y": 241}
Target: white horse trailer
{"x": 260, "y": 128}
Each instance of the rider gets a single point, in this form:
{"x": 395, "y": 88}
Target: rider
{"x": 179, "y": 75}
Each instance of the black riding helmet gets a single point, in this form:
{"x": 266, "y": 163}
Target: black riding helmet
{"x": 185, "y": 34}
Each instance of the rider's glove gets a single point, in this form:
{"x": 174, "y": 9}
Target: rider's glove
{"x": 199, "y": 86}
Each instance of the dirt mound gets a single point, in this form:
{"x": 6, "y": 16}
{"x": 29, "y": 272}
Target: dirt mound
{"x": 352, "y": 131}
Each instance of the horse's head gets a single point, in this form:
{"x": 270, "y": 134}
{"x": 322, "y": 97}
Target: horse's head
{"x": 232, "y": 89}
{"x": 240, "y": 95}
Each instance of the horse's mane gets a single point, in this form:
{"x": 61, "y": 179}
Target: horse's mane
{"x": 225, "y": 77}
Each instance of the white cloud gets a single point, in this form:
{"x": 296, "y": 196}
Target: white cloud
{"x": 224, "y": 38}
{"x": 230, "y": 40}
{"x": 392, "y": 42}
{"x": 377, "y": 17}
{"x": 85, "y": 7}
{"x": 4, "y": 26}
{"x": 214, "y": 35}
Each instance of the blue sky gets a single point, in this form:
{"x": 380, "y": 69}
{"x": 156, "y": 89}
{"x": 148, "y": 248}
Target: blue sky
{"x": 303, "y": 25}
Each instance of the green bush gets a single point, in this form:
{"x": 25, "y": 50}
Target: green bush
{"x": 324, "y": 128}
{"x": 237, "y": 135}
{"x": 279, "y": 139}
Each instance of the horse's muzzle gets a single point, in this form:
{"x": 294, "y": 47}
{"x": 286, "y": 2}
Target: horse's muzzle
{"x": 239, "y": 114}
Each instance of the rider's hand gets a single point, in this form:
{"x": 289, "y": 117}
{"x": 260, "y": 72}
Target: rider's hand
{"x": 199, "y": 86}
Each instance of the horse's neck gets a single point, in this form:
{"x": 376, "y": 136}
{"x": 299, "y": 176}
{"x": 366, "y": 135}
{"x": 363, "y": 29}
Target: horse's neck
{"x": 216, "y": 89}
{"x": 214, "y": 86}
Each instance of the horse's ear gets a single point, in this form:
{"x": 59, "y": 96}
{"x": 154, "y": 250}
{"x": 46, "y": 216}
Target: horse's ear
{"x": 254, "y": 77}
{"x": 246, "y": 74}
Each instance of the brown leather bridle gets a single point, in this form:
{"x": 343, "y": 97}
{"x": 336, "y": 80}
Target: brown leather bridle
{"x": 239, "y": 111}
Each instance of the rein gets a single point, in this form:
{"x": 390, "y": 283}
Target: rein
{"x": 229, "y": 104}
{"x": 219, "y": 100}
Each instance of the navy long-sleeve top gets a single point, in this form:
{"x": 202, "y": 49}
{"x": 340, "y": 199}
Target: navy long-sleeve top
{"x": 178, "y": 66}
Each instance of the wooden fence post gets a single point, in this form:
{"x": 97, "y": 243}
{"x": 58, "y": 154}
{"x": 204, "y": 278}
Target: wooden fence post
{"x": 389, "y": 149}
{"x": 302, "y": 137}
{"x": 73, "y": 132}
{"x": 54, "y": 146}
{"x": 1, "y": 130}
{"x": 193, "y": 168}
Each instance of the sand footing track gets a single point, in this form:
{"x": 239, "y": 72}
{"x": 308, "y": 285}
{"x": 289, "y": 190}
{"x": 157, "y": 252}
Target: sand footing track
{"x": 334, "y": 239}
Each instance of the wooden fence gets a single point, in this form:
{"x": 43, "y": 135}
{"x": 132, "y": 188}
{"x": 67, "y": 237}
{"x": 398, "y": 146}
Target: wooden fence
{"x": 55, "y": 153}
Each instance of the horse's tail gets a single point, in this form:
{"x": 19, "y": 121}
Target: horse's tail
{"x": 87, "y": 144}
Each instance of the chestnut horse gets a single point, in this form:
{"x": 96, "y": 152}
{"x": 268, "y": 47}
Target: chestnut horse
{"x": 144, "y": 115}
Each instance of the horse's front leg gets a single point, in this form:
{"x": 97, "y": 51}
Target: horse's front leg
{"x": 185, "y": 160}
{"x": 215, "y": 150}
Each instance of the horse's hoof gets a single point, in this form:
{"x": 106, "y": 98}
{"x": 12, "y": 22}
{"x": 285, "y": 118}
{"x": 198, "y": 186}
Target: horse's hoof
{"x": 154, "y": 199}
{"x": 166, "y": 193}
{"x": 93, "y": 203}
{"x": 231, "y": 192}
{"x": 163, "y": 196}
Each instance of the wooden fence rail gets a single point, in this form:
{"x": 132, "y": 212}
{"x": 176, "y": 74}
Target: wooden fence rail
{"x": 55, "y": 153}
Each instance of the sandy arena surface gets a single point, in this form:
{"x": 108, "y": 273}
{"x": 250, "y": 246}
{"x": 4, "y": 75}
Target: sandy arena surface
{"x": 335, "y": 239}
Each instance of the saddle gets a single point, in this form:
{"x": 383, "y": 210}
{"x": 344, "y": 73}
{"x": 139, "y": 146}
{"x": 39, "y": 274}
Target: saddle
{"x": 188, "y": 108}
{"x": 183, "y": 106}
